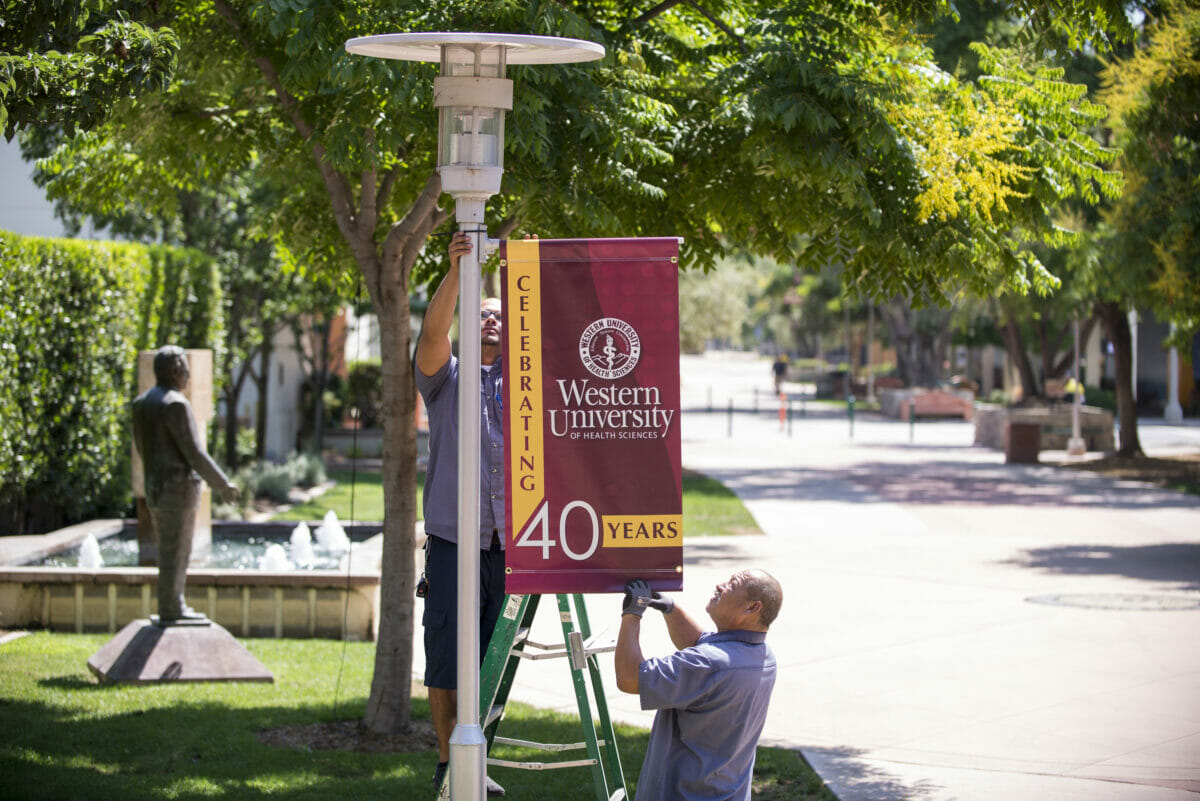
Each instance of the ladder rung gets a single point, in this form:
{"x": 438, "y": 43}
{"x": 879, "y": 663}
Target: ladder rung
{"x": 600, "y": 643}
{"x": 543, "y": 746}
{"x": 493, "y": 714}
{"x": 619, "y": 795}
{"x": 595, "y": 645}
{"x": 548, "y": 651}
{"x": 577, "y": 763}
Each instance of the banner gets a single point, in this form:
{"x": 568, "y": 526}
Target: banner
{"x": 591, "y": 414}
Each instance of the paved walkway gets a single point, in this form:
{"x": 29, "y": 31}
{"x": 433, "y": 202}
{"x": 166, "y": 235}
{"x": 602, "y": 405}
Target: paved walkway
{"x": 953, "y": 627}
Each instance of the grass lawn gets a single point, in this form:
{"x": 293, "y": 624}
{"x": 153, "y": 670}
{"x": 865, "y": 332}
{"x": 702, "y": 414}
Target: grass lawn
{"x": 708, "y": 506}
{"x": 362, "y": 490}
{"x": 66, "y": 737}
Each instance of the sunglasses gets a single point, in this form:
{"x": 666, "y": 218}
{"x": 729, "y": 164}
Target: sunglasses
{"x": 486, "y": 313}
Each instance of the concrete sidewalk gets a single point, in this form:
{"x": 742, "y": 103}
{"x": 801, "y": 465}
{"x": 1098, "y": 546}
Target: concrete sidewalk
{"x": 953, "y": 627}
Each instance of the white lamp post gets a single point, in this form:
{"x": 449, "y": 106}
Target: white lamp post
{"x": 472, "y": 95}
{"x": 1076, "y": 445}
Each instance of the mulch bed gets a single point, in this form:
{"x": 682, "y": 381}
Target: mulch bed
{"x": 351, "y": 735}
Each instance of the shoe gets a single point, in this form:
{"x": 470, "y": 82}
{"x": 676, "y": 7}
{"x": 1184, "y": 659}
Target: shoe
{"x": 439, "y": 773}
{"x": 493, "y": 790}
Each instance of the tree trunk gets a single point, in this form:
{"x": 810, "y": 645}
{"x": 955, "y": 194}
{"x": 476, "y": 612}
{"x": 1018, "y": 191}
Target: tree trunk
{"x": 233, "y": 393}
{"x": 1014, "y": 343}
{"x": 389, "y": 706}
{"x": 263, "y": 382}
{"x": 1116, "y": 328}
{"x": 1066, "y": 362}
{"x": 920, "y": 343}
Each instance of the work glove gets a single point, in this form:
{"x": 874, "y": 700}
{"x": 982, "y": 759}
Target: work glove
{"x": 637, "y": 597}
{"x": 662, "y": 603}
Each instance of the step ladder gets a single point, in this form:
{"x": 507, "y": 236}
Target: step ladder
{"x": 510, "y": 644}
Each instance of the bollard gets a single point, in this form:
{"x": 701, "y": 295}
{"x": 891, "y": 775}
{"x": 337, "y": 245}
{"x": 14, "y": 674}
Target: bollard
{"x": 710, "y": 406}
{"x": 729, "y": 425}
{"x": 850, "y": 413}
{"x": 783, "y": 409}
{"x": 789, "y": 416}
{"x": 912, "y": 420}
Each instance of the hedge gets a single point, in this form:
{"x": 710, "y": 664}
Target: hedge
{"x": 73, "y": 315}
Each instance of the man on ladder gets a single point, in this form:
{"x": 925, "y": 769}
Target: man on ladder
{"x": 438, "y": 382}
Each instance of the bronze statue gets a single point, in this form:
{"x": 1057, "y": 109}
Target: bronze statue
{"x": 164, "y": 431}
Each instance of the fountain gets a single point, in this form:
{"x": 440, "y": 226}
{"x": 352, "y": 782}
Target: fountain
{"x": 89, "y": 553}
{"x": 301, "y": 546}
{"x": 331, "y": 536}
{"x": 275, "y": 560}
{"x": 334, "y": 596}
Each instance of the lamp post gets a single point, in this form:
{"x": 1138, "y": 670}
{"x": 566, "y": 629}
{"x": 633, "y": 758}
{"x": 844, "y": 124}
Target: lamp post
{"x": 1076, "y": 446}
{"x": 471, "y": 94}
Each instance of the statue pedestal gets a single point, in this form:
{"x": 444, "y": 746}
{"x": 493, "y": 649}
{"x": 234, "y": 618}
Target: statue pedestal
{"x": 144, "y": 653}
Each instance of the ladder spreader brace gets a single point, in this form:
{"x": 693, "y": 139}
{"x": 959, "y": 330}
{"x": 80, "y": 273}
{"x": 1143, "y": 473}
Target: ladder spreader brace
{"x": 510, "y": 644}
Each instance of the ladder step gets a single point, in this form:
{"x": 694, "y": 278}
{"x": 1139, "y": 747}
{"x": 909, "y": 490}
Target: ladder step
{"x": 544, "y": 746}
{"x": 619, "y": 795}
{"x": 577, "y": 763}
{"x": 551, "y": 651}
{"x": 600, "y": 643}
{"x": 493, "y": 715}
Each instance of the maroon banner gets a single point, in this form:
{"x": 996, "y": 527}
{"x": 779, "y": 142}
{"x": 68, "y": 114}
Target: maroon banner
{"x": 591, "y": 408}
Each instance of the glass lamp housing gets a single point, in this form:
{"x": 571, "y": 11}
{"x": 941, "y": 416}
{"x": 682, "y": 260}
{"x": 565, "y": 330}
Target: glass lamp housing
{"x": 473, "y": 135}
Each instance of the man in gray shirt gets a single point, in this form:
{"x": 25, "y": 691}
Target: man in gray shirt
{"x": 711, "y": 694}
{"x": 437, "y": 377}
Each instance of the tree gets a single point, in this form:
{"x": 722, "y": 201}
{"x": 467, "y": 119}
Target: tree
{"x": 260, "y": 296}
{"x": 757, "y": 125}
{"x": 713, "y": 306}
{"x": 67, "y": 64}
{"x": 1150, "y": 257}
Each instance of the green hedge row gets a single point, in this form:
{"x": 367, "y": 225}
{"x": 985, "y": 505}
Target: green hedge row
{"x": 73, "y": 315}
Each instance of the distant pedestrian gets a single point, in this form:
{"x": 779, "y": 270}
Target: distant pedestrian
{"x": 711, "y": 694}
{"x": 779, "y": 370}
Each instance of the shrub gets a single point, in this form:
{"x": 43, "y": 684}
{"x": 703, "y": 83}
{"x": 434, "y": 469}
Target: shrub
{"x": 73, "y": 315}
{"x": 364, "y": 385}
{"x": 1101, "y": 398}
{"x": 273, "y": 482}
{"x": 307, "y": 469}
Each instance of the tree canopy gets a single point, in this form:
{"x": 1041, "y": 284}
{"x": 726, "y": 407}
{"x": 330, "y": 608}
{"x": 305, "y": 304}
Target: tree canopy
{"x": 1153, "y": 256}
{"x": 67, "y": 64}
{"x": 814, "y": 132}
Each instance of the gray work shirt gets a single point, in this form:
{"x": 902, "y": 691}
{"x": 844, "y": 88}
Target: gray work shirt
{"x": 712, "y": 703}
{"x": 440, "y": 501}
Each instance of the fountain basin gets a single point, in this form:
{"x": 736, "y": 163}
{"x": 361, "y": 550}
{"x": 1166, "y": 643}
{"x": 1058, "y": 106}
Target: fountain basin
{"x": 336, "y": 604}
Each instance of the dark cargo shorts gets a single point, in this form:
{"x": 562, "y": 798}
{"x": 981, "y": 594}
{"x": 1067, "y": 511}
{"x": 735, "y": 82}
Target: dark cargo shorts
{"x": 441, "y": 607}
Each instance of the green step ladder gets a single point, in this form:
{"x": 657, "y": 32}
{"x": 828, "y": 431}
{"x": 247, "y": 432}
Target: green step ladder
{"x": 510, "y": 644}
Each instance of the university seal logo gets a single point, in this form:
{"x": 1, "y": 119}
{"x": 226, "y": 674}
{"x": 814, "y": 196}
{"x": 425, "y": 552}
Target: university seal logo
{"x": 610, "y": 348}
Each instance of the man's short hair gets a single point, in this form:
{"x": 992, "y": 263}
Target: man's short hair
{"x": 164, "y": 363}
{"x": 761, "y": 586}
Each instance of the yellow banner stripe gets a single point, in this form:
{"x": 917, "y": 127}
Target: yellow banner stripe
{"x": 642, "y": 531}
{"x": 523, "y": 372}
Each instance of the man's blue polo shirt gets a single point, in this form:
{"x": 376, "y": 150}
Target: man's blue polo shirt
{"x": 712, "y": 703}
{"x": 440, "y": 501}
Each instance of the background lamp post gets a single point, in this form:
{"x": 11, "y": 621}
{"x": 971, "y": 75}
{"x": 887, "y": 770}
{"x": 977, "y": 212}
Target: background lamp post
{"x": 1076, "y": 445}
{"x": 471, "y": 95}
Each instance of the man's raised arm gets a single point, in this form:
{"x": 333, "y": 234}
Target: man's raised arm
{"x": 433, "y": 344}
